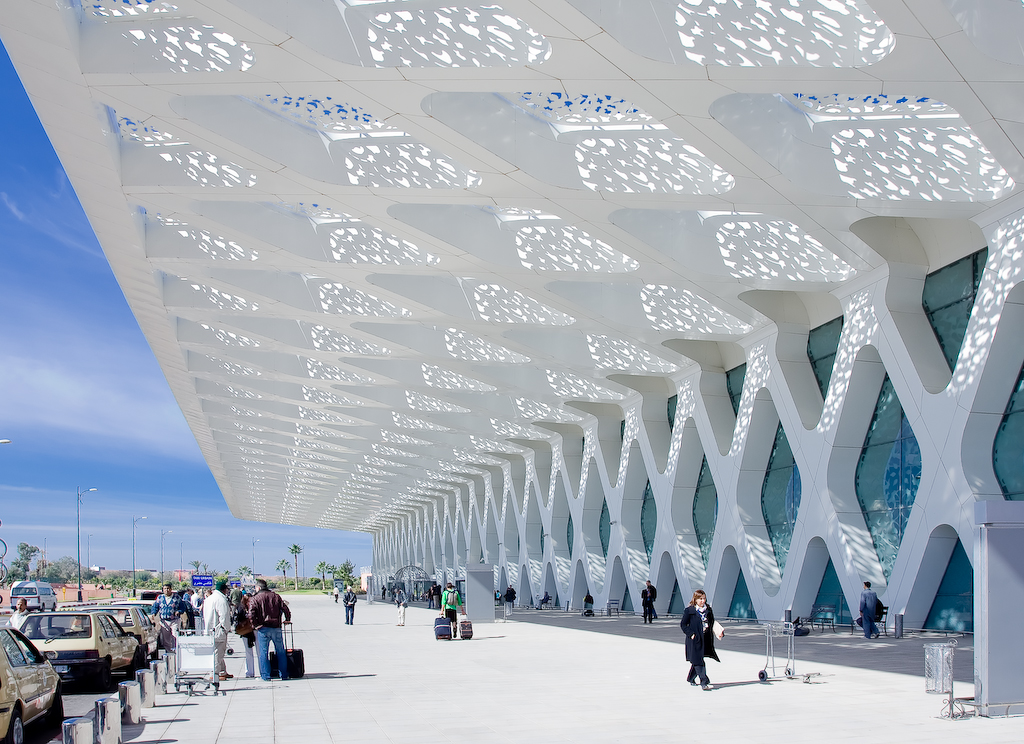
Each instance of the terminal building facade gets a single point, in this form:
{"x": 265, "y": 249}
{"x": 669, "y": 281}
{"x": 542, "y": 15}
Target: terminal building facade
{"x": 723, "y": 295}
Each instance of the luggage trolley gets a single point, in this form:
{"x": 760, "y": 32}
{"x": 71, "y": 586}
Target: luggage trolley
{"x": 193, "y": 653}
{"x": 771, "y": 632}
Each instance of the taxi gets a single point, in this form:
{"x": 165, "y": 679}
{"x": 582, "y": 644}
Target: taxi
{"x": 136, "y": 621}
{"x": 30, "y": 689}
{"x": 85, "y": 646}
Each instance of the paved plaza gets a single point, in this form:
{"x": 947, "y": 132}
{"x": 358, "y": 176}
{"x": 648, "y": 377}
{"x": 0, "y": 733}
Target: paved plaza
{"x": 543, "y": 678}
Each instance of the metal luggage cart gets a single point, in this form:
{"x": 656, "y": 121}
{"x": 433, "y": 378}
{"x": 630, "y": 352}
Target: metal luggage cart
{"x": 771, "y": 632}
{"x": 193, "y": 653}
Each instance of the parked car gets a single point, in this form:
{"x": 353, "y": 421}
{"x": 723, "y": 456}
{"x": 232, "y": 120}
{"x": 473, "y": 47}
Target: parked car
{"x": 30, "y": 689}
{"x": 136, "y": 621}
{"x": 85, "y": 646}
{"x": 38, "y": 594}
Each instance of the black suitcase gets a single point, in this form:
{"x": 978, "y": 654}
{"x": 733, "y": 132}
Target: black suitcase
{"x": 296, "y": 658}
{"x": 442, "y": 629}
{"x": 465, "y": 629}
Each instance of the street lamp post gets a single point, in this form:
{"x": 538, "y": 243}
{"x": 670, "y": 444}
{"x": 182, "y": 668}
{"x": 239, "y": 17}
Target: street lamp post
{"x": 80, "y": 492}
{"x": 135, "y": 521}
{"x": 88, "y": 551}
{"x": 254, "y": 541}
{"x": 162, "y": 533}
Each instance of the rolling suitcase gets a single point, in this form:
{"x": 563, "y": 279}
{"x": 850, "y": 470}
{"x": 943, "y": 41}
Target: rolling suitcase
{"x": 442, "y": 629}
{"x": 296, "y": 658}
{"x": 465, "y": 629}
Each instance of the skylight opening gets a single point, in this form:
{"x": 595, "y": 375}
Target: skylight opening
{"x": 328, "y": 339}
{"x": 444, "y": 379}
{"x": 497, "y": 304}
{"x": 673, "y": 309}
{"x": 777, "y": 249}
{"x": 322, "y": 371}
{"x": 230, "y": 338}
{"x": 421, "y": 402}
{"x": 570, "y": 386}
{"x": 617, "y": 353}
{"x": 128, "y": 8}
{"x": 343, "y": 300}
{"x": 567, "y": 248}
{"x": 470, "y": 348}
{"x": 223, "y": 300}
{"x": 217, "y": 247}
{"x": 193, "y": 48}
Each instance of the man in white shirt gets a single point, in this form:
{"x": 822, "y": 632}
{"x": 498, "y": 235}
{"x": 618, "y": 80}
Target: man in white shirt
{"x": 217, "y": 619}
{"x": 19, "y": 615}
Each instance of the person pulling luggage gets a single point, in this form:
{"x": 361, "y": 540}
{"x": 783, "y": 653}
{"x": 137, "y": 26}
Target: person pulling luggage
{"x": 451, "y": 604}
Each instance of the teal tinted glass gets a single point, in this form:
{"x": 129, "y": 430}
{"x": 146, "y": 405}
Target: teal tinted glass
{"x": 676, "y": 603}
{"x": 1008, "y": 447}
{"x": 741, "y": 606}
{"x": 648, "y": 520}
{"x": 830, "y": 592}
{"x": 953, "y": 607}
{"x": 542, "y": 540}
{"x": 705, "y": 510}
{"x": 948, "y": 299}
{"x": 780, "y": 497}
{"x": 888, "y": 474}
{"x": 604, "y": 528}
{"x": 670, "y": 411}
{"x": 822, "y": 343}
{"x": 734, "y": 384}
{"x": 627, "y": 601}
{"x": 568, "y": 535}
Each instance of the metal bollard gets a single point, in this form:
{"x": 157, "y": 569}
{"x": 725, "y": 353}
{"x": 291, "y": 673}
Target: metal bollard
{"x": 160, "y": 674}
{"x": 789, "y": 616}
{"x": 108, "y": 720}
{"x": 172, "y": 666}
{"x": 131, "y": 703}
{"x": 147, "y": 686}
{"x": 77, "y": 731}
{"x": 897, "y": 630}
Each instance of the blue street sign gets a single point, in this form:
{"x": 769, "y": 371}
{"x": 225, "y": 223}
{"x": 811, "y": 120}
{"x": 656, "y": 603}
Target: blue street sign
{"x": 202, "y": 579}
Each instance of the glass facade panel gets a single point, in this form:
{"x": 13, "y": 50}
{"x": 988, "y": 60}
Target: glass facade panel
{"x": 1008, "y": 447}
{"x": 830, "y": 592}
{"x": 604, "y": 528}
{"x": 780, "y": 497}
{"x": 822, "y": 343}
{"x": 627, "y": 601}
{"x": 741, "y": 606}
{"x": 948, "y": 299}
{"x": 888, "y": 474}
{"x": 670, "y": 410}
{"x": 648, "y": 520}
{"x": 953, "y": 607}
{"x": 542, "y": 541}
{"x": 705, "y": 510}
{"x": 734, "y": 384}
{"x": 568, "y": 535}
{"x": 677, "y": 602}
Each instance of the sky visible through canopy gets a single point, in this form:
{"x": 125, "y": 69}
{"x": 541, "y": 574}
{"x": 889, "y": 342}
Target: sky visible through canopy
{"x": 85, "y": 403}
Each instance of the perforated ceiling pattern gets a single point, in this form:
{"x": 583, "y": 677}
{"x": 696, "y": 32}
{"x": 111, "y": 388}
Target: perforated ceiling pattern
{"x": 369, "y": 241}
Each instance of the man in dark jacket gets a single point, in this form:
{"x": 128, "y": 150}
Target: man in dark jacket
{"x": 349, "y": 600}
{"x": 265, "y": 612}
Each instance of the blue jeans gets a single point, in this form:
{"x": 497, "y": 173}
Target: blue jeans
{"x": 870, "y": 628}
{"x": 350, "y": 613}
{"x": 263, "y": 638}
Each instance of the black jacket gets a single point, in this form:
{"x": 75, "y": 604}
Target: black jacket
{"x": 700, "y": 643}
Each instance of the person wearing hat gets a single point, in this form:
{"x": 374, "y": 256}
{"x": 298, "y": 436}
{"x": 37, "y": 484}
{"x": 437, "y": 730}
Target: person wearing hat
{"x": 217, "y": 619}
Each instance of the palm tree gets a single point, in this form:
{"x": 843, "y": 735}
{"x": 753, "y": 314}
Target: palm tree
{"x": 244, "y": 570}
{"x": 296, "y": 550}
{"x": 321, "y": 568}
{"x": 195, "y": 566}
{"x": 283, "y": 565}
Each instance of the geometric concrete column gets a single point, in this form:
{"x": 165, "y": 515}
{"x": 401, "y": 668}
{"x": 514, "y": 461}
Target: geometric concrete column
{"x": 998, "y": 607}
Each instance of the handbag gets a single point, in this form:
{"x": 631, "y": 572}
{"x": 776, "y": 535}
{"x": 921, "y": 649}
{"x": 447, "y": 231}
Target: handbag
{"x": 243, "y": 628}
{"x": 718, "y": 630}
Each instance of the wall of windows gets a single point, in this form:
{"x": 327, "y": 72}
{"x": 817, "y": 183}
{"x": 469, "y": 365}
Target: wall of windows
{"x": 948, "y": 298}
{"x": 648, "y": 520}
{"x": 734, "y": 384}
{"x": 568, "y": 535}
{"x": 705, "y": 510}
{"x": 604, "y": 527}
{"x": 822, "y": 343}
{"x": 888, "y": 475}
{"x": 953, "y": 607}
{"x": 1008, "y": 447}
{"x": 780, "y": 497}
{"x": 830, "y": 592}
{"x": 741, "y": 606}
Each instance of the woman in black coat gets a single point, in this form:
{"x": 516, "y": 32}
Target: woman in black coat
{"x": 698, "y": 624}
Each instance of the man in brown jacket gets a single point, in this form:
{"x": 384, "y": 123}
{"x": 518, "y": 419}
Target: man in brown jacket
{"x": 265, "y": 613}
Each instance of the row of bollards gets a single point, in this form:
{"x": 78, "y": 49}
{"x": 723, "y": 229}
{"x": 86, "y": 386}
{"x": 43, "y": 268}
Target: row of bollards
{"x": 109, "y": 714}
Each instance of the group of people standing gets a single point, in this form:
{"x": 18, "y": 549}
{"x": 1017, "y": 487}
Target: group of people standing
{"x": 257, "y": 618}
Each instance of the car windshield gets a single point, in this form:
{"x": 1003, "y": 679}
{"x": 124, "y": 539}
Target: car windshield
{"x": 24, "y": 591}
{"x": 63, "y": 626}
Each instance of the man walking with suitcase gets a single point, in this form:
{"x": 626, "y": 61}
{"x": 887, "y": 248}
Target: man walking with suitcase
{"x": 265, "y": 613}
{"x": 451, "y": 602}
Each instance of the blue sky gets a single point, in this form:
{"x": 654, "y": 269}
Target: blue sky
{"x": 84, "y": 401}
